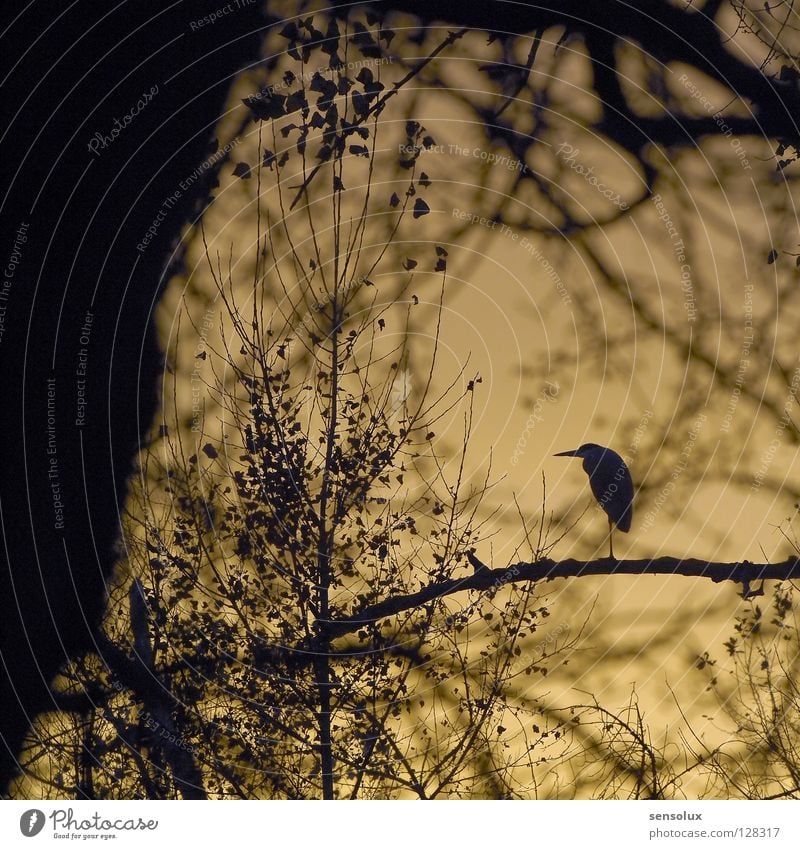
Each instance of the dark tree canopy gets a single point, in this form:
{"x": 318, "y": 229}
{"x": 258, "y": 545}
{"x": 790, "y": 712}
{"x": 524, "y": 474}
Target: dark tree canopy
{"x": 667, "y": 32}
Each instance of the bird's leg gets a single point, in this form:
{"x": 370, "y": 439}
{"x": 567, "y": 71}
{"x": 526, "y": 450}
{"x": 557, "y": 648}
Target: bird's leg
{"x": 611, "y": 538}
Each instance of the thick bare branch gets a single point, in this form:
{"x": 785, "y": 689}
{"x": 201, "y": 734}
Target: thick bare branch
{"x": 744, "y": 573}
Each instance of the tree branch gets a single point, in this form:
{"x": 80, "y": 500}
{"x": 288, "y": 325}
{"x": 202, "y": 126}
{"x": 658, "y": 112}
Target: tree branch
{"x": 662, "y": 30}
{"x": 380, "y": 103}
{"x": 744, "y": 573}
{"x": 157, "y": 700}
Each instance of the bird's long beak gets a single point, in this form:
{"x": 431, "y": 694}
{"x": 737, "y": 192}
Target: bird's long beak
{"x": 573, "y": 453}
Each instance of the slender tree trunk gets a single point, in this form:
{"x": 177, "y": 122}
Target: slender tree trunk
{"x": 324, "y": 555}
{"x": 324, "y": 718}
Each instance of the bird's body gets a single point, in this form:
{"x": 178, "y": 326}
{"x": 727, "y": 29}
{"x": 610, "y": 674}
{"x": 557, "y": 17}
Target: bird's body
{"x": 611, "y": 484}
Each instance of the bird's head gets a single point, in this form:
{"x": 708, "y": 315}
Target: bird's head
{"x": 587, "y": 450}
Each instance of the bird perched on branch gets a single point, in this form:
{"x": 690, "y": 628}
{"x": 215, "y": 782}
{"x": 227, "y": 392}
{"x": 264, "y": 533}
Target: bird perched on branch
{"x": 611, "y": 485}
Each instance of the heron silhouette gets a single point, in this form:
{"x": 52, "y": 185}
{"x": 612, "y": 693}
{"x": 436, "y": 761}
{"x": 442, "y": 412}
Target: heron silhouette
{"x": 611, "y": 485}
